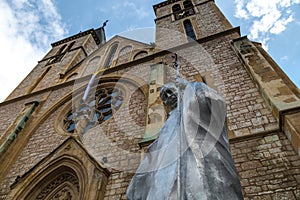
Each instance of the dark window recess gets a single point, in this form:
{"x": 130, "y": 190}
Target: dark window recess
{"x": 181, "y": 13}
{"x": 111, "y": 56}
{"x": 176, "y": 8}
{"x": 187, "y": 4}
{"x": 69, "y": 122}
{"x": 176, "y": 11}
{"x": 189, "y": 30}
{"x": 60, "y": 54}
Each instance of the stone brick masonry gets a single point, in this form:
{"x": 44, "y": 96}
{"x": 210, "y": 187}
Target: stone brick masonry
{"x": 268, "y": 167}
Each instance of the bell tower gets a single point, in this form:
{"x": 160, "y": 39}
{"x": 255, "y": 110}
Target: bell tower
{"x": 182, "y": 21}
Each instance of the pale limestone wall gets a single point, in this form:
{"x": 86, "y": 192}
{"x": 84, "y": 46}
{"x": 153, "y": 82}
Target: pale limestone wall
{"x": 268, "y": 167}
{"x": 207, "y": 21}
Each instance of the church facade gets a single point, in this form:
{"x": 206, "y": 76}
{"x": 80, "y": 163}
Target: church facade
{"x": 79, "y": 124}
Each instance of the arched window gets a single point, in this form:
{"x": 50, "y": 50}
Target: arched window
{"x": 124, "y": 54}
{"x": 111, "y": 55}
{"x": 189, "y": 31}
{"x": 92, "y": 66}
{"x": 176, "y": 8}
{"x": 176, "y": 11}
{"x": 140, "y": 54}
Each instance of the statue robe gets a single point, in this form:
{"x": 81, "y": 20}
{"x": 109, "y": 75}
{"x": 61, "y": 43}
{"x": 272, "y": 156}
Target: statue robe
{"x": 207, "y": 169}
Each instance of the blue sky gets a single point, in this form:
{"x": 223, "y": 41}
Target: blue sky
{"x": 28, "y": 27}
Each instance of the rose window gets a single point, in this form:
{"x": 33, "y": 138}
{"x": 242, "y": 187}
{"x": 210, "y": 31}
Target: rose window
{"x": 97, "y": 109}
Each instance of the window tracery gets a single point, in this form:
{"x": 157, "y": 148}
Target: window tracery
{"x": 97, "y": 109}
{"x": 53, "y": 189}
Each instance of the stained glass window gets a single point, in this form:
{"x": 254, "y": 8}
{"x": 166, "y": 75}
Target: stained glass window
{"x": 97, "y": 109}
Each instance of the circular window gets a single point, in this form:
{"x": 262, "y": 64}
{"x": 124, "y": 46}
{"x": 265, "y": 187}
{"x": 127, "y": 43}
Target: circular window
{"x": 98, "y": 108}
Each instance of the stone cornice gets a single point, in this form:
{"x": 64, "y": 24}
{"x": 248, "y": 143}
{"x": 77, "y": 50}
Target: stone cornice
{"x": 81, "y": 34}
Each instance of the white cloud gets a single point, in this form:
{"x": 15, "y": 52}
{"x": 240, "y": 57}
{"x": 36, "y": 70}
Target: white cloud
{"x": 263, "y": 25}
{"x": 27, "y": 29}
{"x": 280, "y": 25}
{"x": 268, "y": 17}
{"x": 240, "y": 11}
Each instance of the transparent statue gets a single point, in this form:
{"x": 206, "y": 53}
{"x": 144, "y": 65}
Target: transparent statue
{"x": 190, "y": 159}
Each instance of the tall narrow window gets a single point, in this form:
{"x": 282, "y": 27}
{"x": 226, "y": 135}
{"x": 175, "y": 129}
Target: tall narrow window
{"x": 189, "y": 30}
{"x": 61, "y": 50}
{"x": 60, "y": 54}
{"x": 111, "y": 55}
{"x": 70, "y": 46}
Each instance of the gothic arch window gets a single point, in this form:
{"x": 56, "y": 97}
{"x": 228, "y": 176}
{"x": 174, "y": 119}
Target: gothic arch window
{"x": 124, "y": 54}
{"x": 92, "y": 66}
{"x": 105, "y": 100}
{"x": 111, "y": 55}
{"x": 140, "y": 54}
{"x": 189, "y": 31}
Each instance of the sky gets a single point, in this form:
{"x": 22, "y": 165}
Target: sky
{"x": 28, "y": 27}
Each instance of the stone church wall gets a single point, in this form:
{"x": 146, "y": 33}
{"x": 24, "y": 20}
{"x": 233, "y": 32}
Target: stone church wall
{"x": 268, "y": 167}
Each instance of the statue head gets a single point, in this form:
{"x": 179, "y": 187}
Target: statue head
{"x": 168, "y": 95}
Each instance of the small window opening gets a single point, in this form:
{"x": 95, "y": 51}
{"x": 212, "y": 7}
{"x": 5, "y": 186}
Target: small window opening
{"x": 189, "y": 30}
